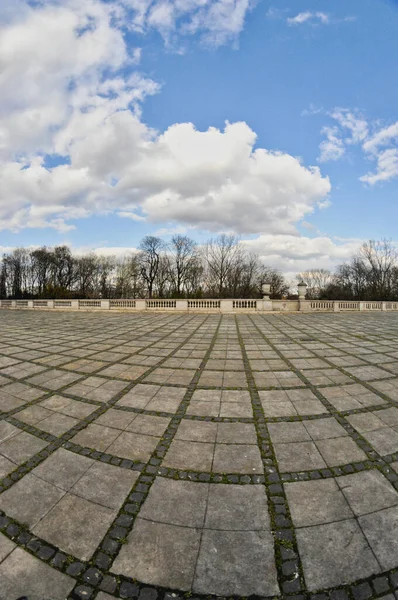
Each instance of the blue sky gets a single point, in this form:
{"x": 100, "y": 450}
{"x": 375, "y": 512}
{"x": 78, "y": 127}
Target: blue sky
{"x": 113, "y": 124}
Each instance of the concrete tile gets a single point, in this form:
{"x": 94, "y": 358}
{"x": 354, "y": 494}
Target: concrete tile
{"x": 105, "y": 484}
{"x": 237, "y": 507}
{"x": 176, "y": 502}
{"x": 195, "y": 456}
{"x": 21, "y": 447}
{"x": 340, "y": 451}
{"x": 368, "y": 491}
{"x": 381, "y": 529}
{"x": 6, "y": 547}
{"x": 134, "y": 446}
{"x": 63, "y": 468}
{"x": 21, "y": 574}
{"x": 236, "y": 563}
{"x": 75, "y": 525}
{"x": 160, "y": 554}
{"x": 29, "y": 499}
{"x": 237, "y": 458}
{"x": 316, "y": 502}
{"x": 196, "y": 431}
{"x": 335, "y": 554}
{"x": 384, "y": 441}
{"x": 322, "y": 429}
{"x": 298, "y": 456}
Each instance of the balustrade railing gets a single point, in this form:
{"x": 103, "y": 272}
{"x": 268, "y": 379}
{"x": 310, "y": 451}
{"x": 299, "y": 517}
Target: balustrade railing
{"x": 204, "y": 304}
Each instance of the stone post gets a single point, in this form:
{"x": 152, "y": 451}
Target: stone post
{"x": 384, "y": 306}
{"x": 140, "y": 305}
{"x": 105, "y": 304}
{"x": 182, "y": 305}
{"x": 226, "y": 306}
{"x": 266, "y": 288}
{"x": 302, "y": 290}
{"x": 30, "y": 303}
{"x": 74, "y": 304}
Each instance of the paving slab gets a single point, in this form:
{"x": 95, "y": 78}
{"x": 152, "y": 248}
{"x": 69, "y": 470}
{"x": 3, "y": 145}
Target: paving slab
{"x": 217, "y": 442}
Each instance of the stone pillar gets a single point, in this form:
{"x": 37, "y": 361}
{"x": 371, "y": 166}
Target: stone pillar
{"x": 226, "y": 306}
{"x": 13, "y": 304}
{"x": 266, "y": 305}
{"x": 266, "y": 288}
{"x": 302, "y": 290}
{"x": 140, "y": 305}
{"x": 30, "y": 303}
{"x": 182, "y": 305}
{"x": 74, "y": 304}
{"x": 50, "y": 303}
{"x": 105, "y": 304}
{"x": 362, "y": 306}
{"x": 384, "y": 306}
{"x": 336, "y": 307}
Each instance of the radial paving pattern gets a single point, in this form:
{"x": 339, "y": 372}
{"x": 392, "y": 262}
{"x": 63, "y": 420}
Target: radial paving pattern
{"x": 232, "y": 456}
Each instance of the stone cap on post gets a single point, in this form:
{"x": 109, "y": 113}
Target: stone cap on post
{"x": 302, "y": 290}
{"x": 266, "y": 288}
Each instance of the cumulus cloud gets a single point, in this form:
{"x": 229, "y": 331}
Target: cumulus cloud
{"x": 292, "y": 254}
{"x": 73, "y": 143}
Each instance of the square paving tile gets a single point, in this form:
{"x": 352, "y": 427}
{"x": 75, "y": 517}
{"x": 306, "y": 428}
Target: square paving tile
{"x": 176, "y": 503}
{"x": 237, "y": 507}
{"x": 340, "y": 451}
{"x": 236, "y": 563}
{"x": 30, "y": 499}
{"x": 237, "y": 458}
{"x": 160, "y": 554}
{"x": 335, "y": 554}
{"x": 75, "y": 525}
{"x": 316, "y": 502}
{"x": 368, "y": 491}
{"x": 63, "y": 468}
{"x": 298, "y": 456}
{"x": 195, "y": 456}
{"x": 21, "y": 447}
{"x": 133, "y": 446}
{"x": 106, "y": 485}
{"x": 21, "y": 572}
{"x": 380, "y": 529}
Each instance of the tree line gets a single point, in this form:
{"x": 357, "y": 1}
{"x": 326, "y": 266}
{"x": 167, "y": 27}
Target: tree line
{"x": 220, "y": 268}
{"x": 371, "y": 274}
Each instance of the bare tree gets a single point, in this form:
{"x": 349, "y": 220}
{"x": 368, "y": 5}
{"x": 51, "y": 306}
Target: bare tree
{"x": 317, "y": 281}
{"x": 222, "y": 255}
{"x": 151, "y": 248}
{"x": 182, "y": 256}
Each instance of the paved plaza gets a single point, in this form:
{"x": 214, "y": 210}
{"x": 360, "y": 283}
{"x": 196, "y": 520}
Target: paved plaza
{"x": 168, "y": 455}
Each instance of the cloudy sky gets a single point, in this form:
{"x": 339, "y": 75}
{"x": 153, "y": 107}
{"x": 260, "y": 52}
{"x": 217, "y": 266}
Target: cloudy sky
{"x": 275, "y": 120}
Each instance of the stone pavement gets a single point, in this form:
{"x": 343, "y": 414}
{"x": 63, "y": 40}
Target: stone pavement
{"x": 163, "y": 455}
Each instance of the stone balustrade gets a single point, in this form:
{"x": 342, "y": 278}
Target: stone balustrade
{"x": 203, "y": 305}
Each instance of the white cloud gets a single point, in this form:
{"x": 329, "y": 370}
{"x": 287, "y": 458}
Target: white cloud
{"x": 72, "y": 95}
{"x": 353, "y": 122}
{"x": 216, "y": 22}
{"x": 316, "y": 18}
{"x": 382, "y": 137}
{"x": 387, "y": 167}
{"x": 292, "y": 254}
{"x": 332, "y": 148}
{"x": 375, "y": 143}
